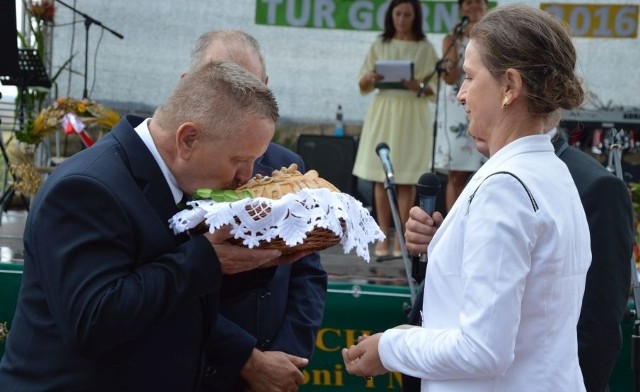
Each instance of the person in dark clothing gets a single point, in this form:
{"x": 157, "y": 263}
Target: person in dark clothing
{"x": 111, "y": 299}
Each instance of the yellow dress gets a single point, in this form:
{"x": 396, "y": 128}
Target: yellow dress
{"x": 398, "y": 117}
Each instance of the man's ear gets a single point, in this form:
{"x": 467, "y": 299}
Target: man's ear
{"x": 513, "y": 84}
{"x": 186, "y": 139}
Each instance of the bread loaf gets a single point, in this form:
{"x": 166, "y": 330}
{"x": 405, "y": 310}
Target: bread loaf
{"x": 284, "y": 181}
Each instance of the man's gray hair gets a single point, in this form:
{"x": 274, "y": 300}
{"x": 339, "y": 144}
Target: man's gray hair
{"x": 238, "y": 45}
{"x": 218, "y": 97}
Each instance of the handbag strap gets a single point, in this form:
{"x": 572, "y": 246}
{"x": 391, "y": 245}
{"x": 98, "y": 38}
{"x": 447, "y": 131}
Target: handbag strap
{"x": 534, "y": 205}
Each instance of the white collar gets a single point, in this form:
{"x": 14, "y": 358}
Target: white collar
{"x": 143, "y": 131}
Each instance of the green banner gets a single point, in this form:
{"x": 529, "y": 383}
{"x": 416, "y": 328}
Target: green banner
{"x": 585, "y": 20}
{"x": 352, "y": 310}
{"x": 364, "y": 15}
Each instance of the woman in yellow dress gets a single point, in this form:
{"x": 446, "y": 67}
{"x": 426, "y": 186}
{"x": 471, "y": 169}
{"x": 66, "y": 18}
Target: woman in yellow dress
{"x": 397, "y": 117}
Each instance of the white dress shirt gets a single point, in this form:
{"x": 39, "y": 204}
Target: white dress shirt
{"x": 143, "y": 131}
{"x": 504, "y": 283}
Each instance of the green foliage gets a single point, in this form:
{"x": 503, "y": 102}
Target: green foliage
{"x": 32, "y": 100}
{"x": 221, "y": 195}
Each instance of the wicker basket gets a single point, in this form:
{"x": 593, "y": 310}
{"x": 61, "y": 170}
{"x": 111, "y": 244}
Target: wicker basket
{"x": 317, "y": 239}
{"x": 281, "y": 182}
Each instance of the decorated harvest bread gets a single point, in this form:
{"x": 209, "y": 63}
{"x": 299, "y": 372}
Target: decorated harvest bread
{"x": 283, "y": 181}
{"x": 287, "y": 211}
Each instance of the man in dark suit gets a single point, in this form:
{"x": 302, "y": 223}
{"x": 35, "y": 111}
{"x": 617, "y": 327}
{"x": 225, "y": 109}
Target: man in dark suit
{"x": 258, "y": 329}
{"x": 607, "y": 204}
{"x": 110, "y": 298}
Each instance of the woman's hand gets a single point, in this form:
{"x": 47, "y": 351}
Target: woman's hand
{"x": 412, "y": 85}
{"x": 363, "y": 359}
{"x": 369, "y": 80}
{"x": 420, "y": 229}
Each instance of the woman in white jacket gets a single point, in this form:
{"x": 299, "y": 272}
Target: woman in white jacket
{"x": 507, "y": 267}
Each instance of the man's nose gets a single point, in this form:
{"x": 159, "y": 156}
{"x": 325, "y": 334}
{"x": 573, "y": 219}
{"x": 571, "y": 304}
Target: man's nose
{"x": 244, "y": 173}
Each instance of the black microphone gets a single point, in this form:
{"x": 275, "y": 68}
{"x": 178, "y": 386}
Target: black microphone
{"x": 462, "y": 25}
{"x": 382, "y": 149}
{"x": 428, "y": 187}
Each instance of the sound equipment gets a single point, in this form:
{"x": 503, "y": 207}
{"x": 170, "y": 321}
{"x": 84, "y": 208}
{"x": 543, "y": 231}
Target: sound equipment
{"x": 594, "y": 131}
{"x": 616, "y": 118}
{"x": 8, "y": 38}
{"x": 332, "y": 157}
{"x": 586, "y": 128}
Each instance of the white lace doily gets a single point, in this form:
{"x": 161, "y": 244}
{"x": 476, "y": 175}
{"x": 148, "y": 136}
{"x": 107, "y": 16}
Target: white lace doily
{"x": 291, "y": 218}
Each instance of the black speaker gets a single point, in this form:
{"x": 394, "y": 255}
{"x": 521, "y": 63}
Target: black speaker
{"x": 8, "y": 39}
{"x": 332, "y": 157}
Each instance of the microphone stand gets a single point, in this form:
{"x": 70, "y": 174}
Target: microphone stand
{"x": 389, "y": 187}
{"x": 439, "y": 69}
{"x": 88, "y": 21}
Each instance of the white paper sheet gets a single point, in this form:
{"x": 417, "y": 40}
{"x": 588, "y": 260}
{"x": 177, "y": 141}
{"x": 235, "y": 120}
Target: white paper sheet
{"x": 395, "y": 70}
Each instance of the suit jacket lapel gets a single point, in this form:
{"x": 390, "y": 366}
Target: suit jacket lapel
{"x": 144, "y": 168}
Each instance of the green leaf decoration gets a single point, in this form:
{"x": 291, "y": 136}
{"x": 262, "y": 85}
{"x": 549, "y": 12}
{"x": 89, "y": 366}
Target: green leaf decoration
{"x": 221, "y": 195}
{"x": 202, "y": 193}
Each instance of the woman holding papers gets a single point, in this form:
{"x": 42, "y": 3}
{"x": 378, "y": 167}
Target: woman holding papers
{"x": 455, "y": 151}
{"x": 397, "y": 115}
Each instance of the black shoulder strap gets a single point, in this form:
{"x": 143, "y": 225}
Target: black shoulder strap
{"x": 534, "y": 205}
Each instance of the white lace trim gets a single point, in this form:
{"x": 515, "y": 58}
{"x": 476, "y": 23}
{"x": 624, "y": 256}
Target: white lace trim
{"x": 291, "y": 217}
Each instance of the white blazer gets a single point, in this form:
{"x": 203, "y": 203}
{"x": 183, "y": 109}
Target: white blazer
{"x": 504, "y": 282}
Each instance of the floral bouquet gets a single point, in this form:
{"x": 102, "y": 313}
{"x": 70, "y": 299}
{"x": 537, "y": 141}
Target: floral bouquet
{"x": 74, "y": 116}
{"x": 42, "y": 10}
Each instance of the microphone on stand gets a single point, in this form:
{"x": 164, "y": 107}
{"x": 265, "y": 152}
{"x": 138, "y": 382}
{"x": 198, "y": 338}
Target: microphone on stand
{"x": 462, "y": 25}
{"x": 439, "y": 65}
{"x": 382, "y": 149}
{"x": 428, "y": 187}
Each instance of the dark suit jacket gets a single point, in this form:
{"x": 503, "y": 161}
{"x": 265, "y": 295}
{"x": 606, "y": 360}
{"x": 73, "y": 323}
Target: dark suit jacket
{"x": 283, "y": 314}
{"x": 607, "y": 203}
{"x": 111, "y": 299}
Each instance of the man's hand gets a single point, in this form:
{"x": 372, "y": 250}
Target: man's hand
{"x": 273, "y": 371}
{"x": 420, "y": 229}
{"x": 286, "y": 259}
{"x": 235, "y": 258}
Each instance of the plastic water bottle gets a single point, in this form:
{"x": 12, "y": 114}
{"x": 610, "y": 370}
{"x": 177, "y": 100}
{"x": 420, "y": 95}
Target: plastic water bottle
{"x": 339, "y": 129}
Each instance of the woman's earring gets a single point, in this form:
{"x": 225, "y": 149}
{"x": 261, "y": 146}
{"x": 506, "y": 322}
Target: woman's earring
{"x": 505, "y": 102}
